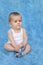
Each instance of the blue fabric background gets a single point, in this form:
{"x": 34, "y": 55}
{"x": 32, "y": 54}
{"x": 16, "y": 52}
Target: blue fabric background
{"x": 32, "y": 13}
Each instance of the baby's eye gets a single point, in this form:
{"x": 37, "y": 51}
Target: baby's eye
{"x": 20, "y": 20}
{"x": 15, "y": 21}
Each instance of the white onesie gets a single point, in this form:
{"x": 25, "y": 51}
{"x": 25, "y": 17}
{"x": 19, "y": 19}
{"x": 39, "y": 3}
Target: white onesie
{"x": 18, "y": 37}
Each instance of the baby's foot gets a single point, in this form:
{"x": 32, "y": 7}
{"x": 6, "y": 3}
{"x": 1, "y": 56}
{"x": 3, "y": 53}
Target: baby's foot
{"x": 18, "y": 55}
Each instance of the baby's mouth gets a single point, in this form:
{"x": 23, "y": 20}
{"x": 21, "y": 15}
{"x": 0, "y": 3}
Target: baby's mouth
{"x": 18, "y": 25}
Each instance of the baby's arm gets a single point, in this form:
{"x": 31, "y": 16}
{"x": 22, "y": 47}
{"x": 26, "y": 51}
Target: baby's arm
{"x": 12, "y": 40}
{"x": 24, "y": 43}
{"x": 25, "y": 37}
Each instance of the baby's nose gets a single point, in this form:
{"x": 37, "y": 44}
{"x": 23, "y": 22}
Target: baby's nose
{"x": 18, "y": 22}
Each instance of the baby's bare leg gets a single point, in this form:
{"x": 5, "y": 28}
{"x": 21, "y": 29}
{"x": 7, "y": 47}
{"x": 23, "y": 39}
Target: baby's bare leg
{"x": 9, "y": 47}
{"x": 27, "y": 49}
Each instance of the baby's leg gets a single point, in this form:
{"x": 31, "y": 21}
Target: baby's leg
{"x": 27, "y": 49}
{"x": 9, "y": 47}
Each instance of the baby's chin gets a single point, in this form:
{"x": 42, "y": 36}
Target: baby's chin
{"x": 18, "y": 27}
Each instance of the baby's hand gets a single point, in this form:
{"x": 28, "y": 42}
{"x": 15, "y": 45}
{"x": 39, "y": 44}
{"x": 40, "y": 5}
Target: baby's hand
{"x": 20, "y": 45}
{"x": 17, "y": 48}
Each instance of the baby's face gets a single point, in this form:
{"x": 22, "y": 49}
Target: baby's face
{"x": 16, "y": 21}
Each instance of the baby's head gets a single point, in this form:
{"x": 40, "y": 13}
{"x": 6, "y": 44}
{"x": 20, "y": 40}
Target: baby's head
{"x": 15, "y": 20}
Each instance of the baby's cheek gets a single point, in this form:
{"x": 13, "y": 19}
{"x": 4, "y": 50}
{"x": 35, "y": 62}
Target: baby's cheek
{"x": 21, "y": 23}
{"x": 15, "y": 24}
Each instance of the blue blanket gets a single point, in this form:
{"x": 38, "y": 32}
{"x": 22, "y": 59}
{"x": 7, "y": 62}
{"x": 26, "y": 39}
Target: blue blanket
{"x": 32, "y": 17}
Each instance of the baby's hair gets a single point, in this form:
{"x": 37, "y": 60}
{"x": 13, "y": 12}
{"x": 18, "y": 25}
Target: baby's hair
{"x": 13, "y": 13}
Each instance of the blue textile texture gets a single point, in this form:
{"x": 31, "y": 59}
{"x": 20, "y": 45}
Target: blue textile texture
{"x": 32, "y": 18}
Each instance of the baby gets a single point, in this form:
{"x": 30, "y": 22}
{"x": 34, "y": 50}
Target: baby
{"x": 17, "y": 36}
